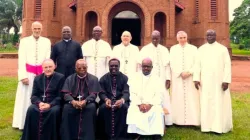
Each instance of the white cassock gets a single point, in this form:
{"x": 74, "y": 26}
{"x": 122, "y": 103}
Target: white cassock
{"x": 161, "y": 68}
{"x": 213, "y": 67}
{"x": 145, "y": 90}
{"x": 128, "y": 56}
{"x": 31, "y": 54}
{"x": 185, "y": 98}
{"x": 97, "y": 54}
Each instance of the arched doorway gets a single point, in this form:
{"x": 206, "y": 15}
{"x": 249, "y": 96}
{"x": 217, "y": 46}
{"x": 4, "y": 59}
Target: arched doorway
{"x": 126, "y": 16}
{"x": 160, "y": 25}
{"x": 91, "y": 22}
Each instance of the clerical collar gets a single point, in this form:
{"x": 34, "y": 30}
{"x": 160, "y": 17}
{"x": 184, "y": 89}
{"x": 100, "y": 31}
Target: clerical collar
{"x": 81, "y": 77}
{"x": 49, "y": 77}
{"x": 67, "y": 40}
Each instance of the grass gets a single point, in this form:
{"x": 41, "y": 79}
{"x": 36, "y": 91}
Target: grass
{"x": 9, "y": 48}
{"x": 237, "y": 51}
{"x": 241, "y": 117}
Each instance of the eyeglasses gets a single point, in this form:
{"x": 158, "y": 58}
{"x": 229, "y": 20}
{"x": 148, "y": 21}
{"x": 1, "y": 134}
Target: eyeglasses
{"x": 145, "y": 66}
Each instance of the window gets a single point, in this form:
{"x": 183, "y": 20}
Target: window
{"x": 213, "y": 4}
{"x": 54, "y": 8}
{"x": 197, "y": 10}
{"x": 38, "y": 8}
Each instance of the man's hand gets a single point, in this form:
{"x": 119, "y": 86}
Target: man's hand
{"x": 185, "y": 75}
{"x": 147, "y": 107}
{"x": 41, "y": 104}
{"x": 141, "y": 107}
{"x": 224, "y": 86}
{"x": 82, "y": 104}
{"x": 108, "y": 103}
{"x": 44, "y": 107}
{"x": 75, "y": 104}
{"x": 167, "y": 84}
{"x": 197, "y": 84}
{"x": 25, "y": 81}
{"x": 118, "y": 103}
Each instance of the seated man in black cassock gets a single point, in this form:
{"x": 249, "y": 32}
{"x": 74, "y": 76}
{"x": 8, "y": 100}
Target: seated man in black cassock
{"x": 114, "y": 102}
{"x": 79, "y": 113}
{"x": 43, "y": 116}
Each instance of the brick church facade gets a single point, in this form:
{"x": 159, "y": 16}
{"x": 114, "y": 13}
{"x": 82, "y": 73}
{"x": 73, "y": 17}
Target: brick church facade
{"x": 143, "y": 16}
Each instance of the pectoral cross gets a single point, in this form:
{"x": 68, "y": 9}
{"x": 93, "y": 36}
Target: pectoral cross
{"x": 95, "y": 57}
{"x": 126, "y": 61}
{"x": 44, "y": 96}
{"x": 79, "y": 97}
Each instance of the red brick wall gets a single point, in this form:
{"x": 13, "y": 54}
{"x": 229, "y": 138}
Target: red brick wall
{"x": 174, "y": 21}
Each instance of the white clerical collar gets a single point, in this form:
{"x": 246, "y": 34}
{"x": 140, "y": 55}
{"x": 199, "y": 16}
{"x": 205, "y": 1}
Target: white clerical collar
{"x": 67, "y": 40}
{"x": 81, "y": 77}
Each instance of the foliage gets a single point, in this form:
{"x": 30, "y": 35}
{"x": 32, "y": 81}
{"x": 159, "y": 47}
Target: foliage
{"x": 240, "y": 27}
{"x": 8, "y": 48}
{"x": 240, "y": 104}
{"x": 239, "y": 49}
{"x": 10, "y": 15}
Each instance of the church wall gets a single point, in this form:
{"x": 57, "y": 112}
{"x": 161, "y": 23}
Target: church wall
{"x": 174, "y": 22}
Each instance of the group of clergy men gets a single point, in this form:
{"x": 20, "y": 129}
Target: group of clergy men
{"x": 88, "y": 92}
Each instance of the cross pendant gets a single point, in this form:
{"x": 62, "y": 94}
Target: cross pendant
{"x": 44, "y": 96}
{"x": 79, "y": 97}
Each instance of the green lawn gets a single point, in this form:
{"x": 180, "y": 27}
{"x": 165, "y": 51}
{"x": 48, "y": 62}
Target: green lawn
{"x": 241, "y": 117}
{"x": 237, "y": 51}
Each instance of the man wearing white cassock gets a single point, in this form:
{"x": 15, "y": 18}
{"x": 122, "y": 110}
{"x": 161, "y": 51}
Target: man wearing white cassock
{"x": 145, "y": 113}
{"x": 128, "y": 54}
{"x": 97, "y": 53}
{"x": 213, "y": 76}
{"x": 160, "y": 57}
{"x": 185, "y": 99}
{"x": 33, "y": 50}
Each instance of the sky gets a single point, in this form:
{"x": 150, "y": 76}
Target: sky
{"x": 232, "y": 5}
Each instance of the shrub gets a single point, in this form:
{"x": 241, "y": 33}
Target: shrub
{"x": 241, "y": 46}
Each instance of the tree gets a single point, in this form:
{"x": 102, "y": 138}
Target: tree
{"x": 10, "y": 15}
{"x": 240, "y": 27}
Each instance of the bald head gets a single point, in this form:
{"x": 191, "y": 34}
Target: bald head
{"x": 36, "y": 28}
{"x": 97, "y": 32}
{"x": 211, "y": 36}
{"x": 66, "y": 33}
{"x": 36, "y": 23}
{"x": 147, "y": 66}
{"x": 156, "y": 37}
{"x": 182, "y": 38}
{"x": 126, "y": 38}
{"x": 81, "y": 61}
{"x": 97, "y": 28}
{"x": 48, "y": 67}
{"x": 81, "y": 67}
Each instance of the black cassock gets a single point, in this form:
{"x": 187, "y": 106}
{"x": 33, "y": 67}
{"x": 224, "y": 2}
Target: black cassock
{"x": 79, "y": 124}
{"x": 65, "y": 54}
{"x": 44, "y": 125}
{"x": 112, "y": 122}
